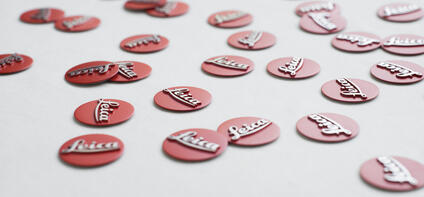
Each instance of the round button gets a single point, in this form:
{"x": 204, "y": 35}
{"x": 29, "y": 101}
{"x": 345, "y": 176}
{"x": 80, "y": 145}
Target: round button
{"x": 252, "y": 40}
{"x": 350, "y": 90}
{"x": 317, "y": 6}
{"x": 322, "y": 22}
{"x": 227, "y": 65}
{"x": 77, "y": 23}
{"x": 398, "y": 72}
{"x": 145, "y": 43}
{"x": 12, "y": 63}
{"x": 131, "y": 71}
{"x": 356, "y": 42}
{"x": 170, "y": 9}
{"x": 143, "y": 4}
{"x": 400, "y": 12}
{"x": 230, "y": 19}
{"x": 91, "y": 72}
{"x": 293, "y": 67}
{"x": 42, "y": 15}
{"x": 183, "y": 98}
{"x": 404, "y": 44}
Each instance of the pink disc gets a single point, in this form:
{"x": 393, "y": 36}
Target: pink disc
{"x": 12, "y": 63}
{"x": 77, "y": 23}
{"x": 249, "y": 131}
{"x": 183, "y": 98}
{"x": 131, "y": 71}
{"x": 317, "y": 6}
{"x": 195, "y": 144}
{"x": 170, "y": 9}
{"x": 356, "y": 42}
{"x": 143, "y": 4}
{"x": 350, "y": 90}
{"x": 228, "y": 65}
{"x": 145, "y": 43}
{"x": 327, "y": 127}
{"x": 293, "y": 67}
{"x": 404, "y": 44}
{"x": 104, "y": 112}
{"x": 230, "y": 19}
{"x": 91, "y": 72}
{"x": 251, "y": 40}
{"x": 42, "y": 15}
{"x": 400, "y": 12}
{"x": 322, "y": 22}
{"x": 398, "y": 71}
{"x": 393, "y": 173}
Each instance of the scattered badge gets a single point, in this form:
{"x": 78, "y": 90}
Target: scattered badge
{"x": 397, "y": 71}
{"x": 356, "y": 42}
{"x": 317, "y": 6}
{"x": 145, "y": 43}
{"x": 77, "y": 23}
{"x": 350, "y": 90}
{"x": 400, "y": 12}
{"x": 91, "y": 72}
{"x": 183, "y": 98}
{"x": 170, "y": 9}
{"x": 404, "y": 44}
{"x": 131, "y": 71}
{"x": 42, "y": 15}
{"x": 227, "y": 65}
{"x": 143, "y": 4}
{"x": 12, "y": 63}
{"x": 293, "y": 67}
{"x": 252, "y": 40}
{"x": 322, "y": 22}
{"x": 230, "y": 19}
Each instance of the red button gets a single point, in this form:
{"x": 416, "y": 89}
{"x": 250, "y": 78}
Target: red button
{"x": 293, "y": 67}
{"x": 249, "y": 131}
{"x": 42, "y": 15}
{"x": 77, "y": 23}
{"x": 356, "y": 42}
{"x": 327, "y": 127}
{"x": 398, "y": 72}
{"x": 183, "y": 98}
{"x": 393, "y": 173}
{"x": 131, "y": 71}
{"x": 143, "y": 4}
{"x": 104, "y": 112}
{"x": 404, "y": 44}
{"x": 170, "y": 9}
{"x": 195, "y": 144}
{"x": 91, "y": 72}
{"x": 230, "y": 19}
{"x": 350, "y": 90}
{"x": 12, "y": 63}
{"x": 144, "y": 43}
{"x": 400, "y": 12}
{"x": 252, "y": 40}
{"x": 91, "y": 150}
{"x": 317, "y": 6}
{"x": 228, "y": 65}
{"x": 322, "y": 22}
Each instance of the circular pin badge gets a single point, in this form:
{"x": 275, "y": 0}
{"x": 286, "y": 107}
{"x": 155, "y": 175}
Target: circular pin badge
{"x": 12, "y": 63}
{"x": 400, "y": 12}
{"x": 183, "y": 98}
{"x": 317, "y": 6}
{"x": 322, "y": 22}
{"x": 143, "y": 4}
{"x": 104, "y": 112}
{"x": 131, "y": 71}
{"x": 293, "y": 67}
{"x": 91, "y": 150}
{"x": 230, "y": 19}
{"x": 404, "y": 44}
{"x": 356, "y": 42}
{"x": 42, "y": 15}
{"x": 91, "y": 72}
{"x": 145, "y": 43}
{"x": 249, "y": 131}
{"x": 252, "y": 40}
{"x": 350, "y": 90}
{"x": 398, "y": 72}
{"x": 228, "y": 65}
{"x": 77, "y": 23}
{"x": 327, "y": 127}
{"x": 170, "y": 9}
{"x": 393, "y": 173}
{"x": 194, "y": 144}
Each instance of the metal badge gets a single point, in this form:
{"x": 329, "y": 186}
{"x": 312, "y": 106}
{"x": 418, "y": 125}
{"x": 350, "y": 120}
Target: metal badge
{"x": 183, "y": 96}
{"x": 401, "y": 71}
{"x": 167, "y": 8}
{"x": 325, "y": 6}
{"x": 251, "y": 39}
{"x": 223, "y": 18}
{"x": 126, "y": 69}
{"x": 225, "y": 62}
{"x": 187, "y": 139}
{"x": 69, "y": 24}
{"x": 398, "y": 172}
{"x": 396, "y": 41}
{"x": 321, "y": 19}
{"x": 146, "y": 40}
{"x": 327, "y": 125}
{"x": 101, "y": 69}
{"x": 400, "y": 10}
{"x": 103, "y": 108}
{"x": 80, "y": 146}
{"x": 295, "y": 64}
{"x": 10, "y": 59}
{"x": 42, "y": 14}
{"x": 360, "y": 40}
{"x": 245, "y": 129}
{"x": 350, "y": 89}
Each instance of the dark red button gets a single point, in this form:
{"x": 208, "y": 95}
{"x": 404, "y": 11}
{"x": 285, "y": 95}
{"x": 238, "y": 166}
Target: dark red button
{"x": 230, "y": 19}
{"x": 195, "y": 144}
{"x": 131, "y": 71}
{"x": 183, "y": 98}
{"x": 400, "y": 12}
{"x": 227, "y": 65}
{"x": 144, "y": 43}
{"x": 143, "y": 4}
{"x": 91, "y": 72}
{"x": 12, "y": 63}
{"x": 317, "y": 6}
{"x": 91, "y": 150}
{"x": 252, "y": 40}
{"x": 170, "y": 9}
{"x": 77, "y": 23}
{"x": 104, "y": 112}
{"x": 42, "y": 15}
{"x": 293, "y": 67}
{"x": 322, "y": 22}
{"x": 398, "y": 71}
{"x": 350, "y": 90}
{"x": 404, "y": 44}
{"x": 356, "y": 42}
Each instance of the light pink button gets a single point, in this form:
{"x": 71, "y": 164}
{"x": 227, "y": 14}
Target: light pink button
{"x": 131, "y": 71}
{"x": 356, "y": 41}
{"x": 230, "y": 19}
{"x": 293, "y": 67}
{"x": 251, "y": 40}
{"x": 317, "y": 6}
{"x": 398, "y": 71}
{"x": 170, "y": 9}
{"x": 404, "y": 44}
{"x": 322, "y": 23}
{"x": 400, "y": 12}
{"x": 350, "y": 90}
{"x": 228, "y": 65}
{"x": 183, "y": 98}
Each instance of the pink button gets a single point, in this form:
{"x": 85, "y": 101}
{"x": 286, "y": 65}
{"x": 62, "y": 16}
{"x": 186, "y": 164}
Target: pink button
{"x": 131, "y": 71}
{"x": 143, "y": 4}
{"x": 77, "y": 23}
{"x": 293, "y": 67}
{"x": 249, "y": 131}
{"x": 317, "y": 6}
{"x": 228, "y": 65}
{"x": 356, "y": 42}
{"x": 400, "y": 12}
{"x": 327, "y": 127}
{"x": 183, "y": 98}
{"x": 398, "y": 71}
{"x": 145, "y": 43}
{"x": 230, "y": 19}
{"x": 322, "y": 22}
{"x": 350, "y": 90}
{"x": 404, "y": 44}
{"x": 170, "y": 9}
{"x": 195, "y": 144}
{"x": 91, "y": 72}
{"x": 393, "y": 173}
{"x": 252, "y": 40}
{"x": 12, "y": 63}
{"x": 42, "y": 15}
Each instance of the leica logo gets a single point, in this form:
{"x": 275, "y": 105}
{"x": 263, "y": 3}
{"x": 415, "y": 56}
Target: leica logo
{"x": 223, "y": 18}
{"x": 126, "y": 69}
{"x": 398, "y": 172}
{"x": 251, "y": 39}
{"x": 76, "y": 22}
{"x": 80, "y": 146}
{"x": 295, "y": 64}
{"x": 10, "y": 59}
{"x": 350, "y": 89}
{"x": 167, "y": 8}
{"x": 42, "y": 14}
{"x": 225, "y": 62}
{"x": 188, "y": 139}
{"x": 328, "y": 6}
{"x": 359, "y": 40}
{"x": 143, "y": 41}
{"x": 401, "y": 71}
{"x": 103, "y": 110}
{"x": 322, "y": 20}
{"x": 399, "y": 10}
{"x": 327, "y": 125}
{"x": 183, "y": 96}
{"x": 101, "y": 69}
{"x": 245, "y": 129}
{"x": 395, "y": 41}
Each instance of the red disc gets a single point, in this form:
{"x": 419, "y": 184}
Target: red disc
{"x": 404, "y": 44}
{"x": 356, "y": 42}
{"x": 317, "y": 6}
{"x": 104, "y": 112}
{"x": 170, "y": 9}
{"x": 42, "y": 15}
{"x": 131, "y": 71}
{"x": 228, "y": 65}
{"x": 91, "y": 72}
{"x": 398, "y": 71}
{"x": 293, "y": 67}
{"x": 252, "y": 40}
{"x": 400, "y": 12}
{"x": 230, "y": 19}
{"x": 183, "y": 98}
{"x": 144, "y": 43}
{"x": 393, "y": 173}
{"x": 12, "y": 63}
{"x": 350, "y": 90}
{"x": 195, "y": 144}
{"x": 327, "y": 127}
{"x": 143, "y": 4}
{"x": 91, "y": 150}
{"x": 322, "y": 23}
{"x": 77, "y": 23}
{"x": 249, "y": 131}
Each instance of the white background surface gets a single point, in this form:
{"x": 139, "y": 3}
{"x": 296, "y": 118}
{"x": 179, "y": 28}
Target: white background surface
{"x": 36, "y": 106}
